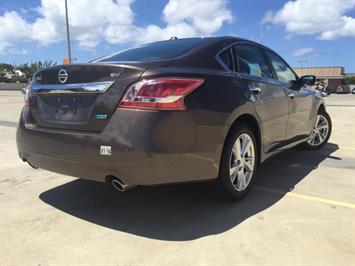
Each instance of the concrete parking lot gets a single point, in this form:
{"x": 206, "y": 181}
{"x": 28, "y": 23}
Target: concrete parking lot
{"x": 301, "y": 210}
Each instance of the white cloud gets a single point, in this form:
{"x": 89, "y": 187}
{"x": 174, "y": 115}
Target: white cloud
{"x": 347, "y": 30}
{"x": 13, "y": 29}
{"x": 326, "y": 20}
{"x": 203, "y": 16}
{"x": 16, "y": 51}
{"x": 88, "y": 21}
{"x": 303, "y": 51}
{"x": 111, "y": 21}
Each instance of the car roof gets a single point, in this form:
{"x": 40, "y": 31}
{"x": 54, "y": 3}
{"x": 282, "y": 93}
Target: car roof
{"x": 207, "y": 48}
{"x": 221, "y": 39}
{"x": 216, "y": 39}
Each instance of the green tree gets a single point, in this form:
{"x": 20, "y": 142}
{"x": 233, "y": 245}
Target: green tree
{"x": 349, "y": 81}
{"x": 7, "y": 72}
{"x": 29, "y": 69}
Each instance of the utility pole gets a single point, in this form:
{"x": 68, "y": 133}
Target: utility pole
{"x": 68, "y": 34}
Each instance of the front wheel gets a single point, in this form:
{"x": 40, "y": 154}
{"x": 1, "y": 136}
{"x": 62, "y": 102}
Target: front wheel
{"x": 238, "y": 163}
{"x": 321, "y": 131}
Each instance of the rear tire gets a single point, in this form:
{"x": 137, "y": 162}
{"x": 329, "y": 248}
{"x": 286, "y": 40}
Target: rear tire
{"x": 238, "y": 163}
{"x": 320, "y": 133}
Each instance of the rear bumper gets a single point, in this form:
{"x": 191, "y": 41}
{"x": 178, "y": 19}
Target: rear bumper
{"x": 148, "y": 148}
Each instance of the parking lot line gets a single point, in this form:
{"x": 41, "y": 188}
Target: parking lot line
{"x": 307, "y": 197}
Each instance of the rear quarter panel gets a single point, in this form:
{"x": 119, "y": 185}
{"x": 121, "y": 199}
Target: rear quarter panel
{"x": 212, "y": 108}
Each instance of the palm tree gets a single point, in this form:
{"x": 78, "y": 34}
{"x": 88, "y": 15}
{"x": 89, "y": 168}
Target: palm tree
{"x": 29, "y": 70}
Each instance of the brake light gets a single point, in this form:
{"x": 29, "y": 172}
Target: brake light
{"x": 159, "y": 93}
{"x": 27, "y": 95}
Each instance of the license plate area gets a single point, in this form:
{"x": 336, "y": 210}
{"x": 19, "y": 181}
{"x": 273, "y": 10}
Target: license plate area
{"x": 66, "y": 108}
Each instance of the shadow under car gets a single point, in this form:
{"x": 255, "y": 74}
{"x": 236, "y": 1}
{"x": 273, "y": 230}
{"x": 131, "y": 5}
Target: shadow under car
{"x": 183, "y": 211}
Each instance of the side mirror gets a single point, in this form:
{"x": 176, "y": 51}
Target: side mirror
{"x": 308, "y": 80}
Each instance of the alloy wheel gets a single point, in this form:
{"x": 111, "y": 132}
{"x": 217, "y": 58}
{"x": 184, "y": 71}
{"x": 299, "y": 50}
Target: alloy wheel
{"x": 320, "y": 131}
{"x": 242, "y": 162}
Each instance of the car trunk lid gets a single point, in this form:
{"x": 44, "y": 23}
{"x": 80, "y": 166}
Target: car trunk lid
{"x": 81, "y": 97}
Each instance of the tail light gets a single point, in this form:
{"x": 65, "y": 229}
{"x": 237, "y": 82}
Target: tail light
{"x": 26, "y": 92}
{"x": 159, "y": 93}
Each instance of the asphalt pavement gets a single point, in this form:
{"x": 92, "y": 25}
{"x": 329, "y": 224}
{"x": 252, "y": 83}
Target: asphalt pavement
{"x": 301, "y": 210}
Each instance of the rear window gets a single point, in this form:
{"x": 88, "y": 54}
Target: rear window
{"x": 226, "y": 59}
{"x": 154, "y": 51}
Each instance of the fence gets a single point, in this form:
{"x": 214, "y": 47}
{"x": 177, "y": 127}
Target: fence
{"x": 12, "y": 86}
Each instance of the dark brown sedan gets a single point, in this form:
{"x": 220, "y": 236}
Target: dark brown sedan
{"x": 171, "y": 111}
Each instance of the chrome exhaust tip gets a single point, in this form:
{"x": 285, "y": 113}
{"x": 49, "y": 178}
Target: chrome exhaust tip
{"x": 34, "y": 167}
{"x": 119, "y": 185}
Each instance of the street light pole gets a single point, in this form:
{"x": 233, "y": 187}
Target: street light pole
{"x": 68, "y": 34}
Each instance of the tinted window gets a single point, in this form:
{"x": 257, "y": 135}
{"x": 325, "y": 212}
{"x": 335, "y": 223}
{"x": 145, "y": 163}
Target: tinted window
{"x": 226, "y": 58}
{"x": 283, "y": 72}
{"x": 154, "y": 51}
{"x": 250, "y": 60}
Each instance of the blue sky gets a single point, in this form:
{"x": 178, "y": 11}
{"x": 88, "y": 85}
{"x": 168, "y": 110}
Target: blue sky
{"x": 321, "y": 32}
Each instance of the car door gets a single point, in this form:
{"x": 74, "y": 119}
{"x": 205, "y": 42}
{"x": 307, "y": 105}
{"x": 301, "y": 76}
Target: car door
{"x": 300, "y": 99}
{"x": 270, "y": 100}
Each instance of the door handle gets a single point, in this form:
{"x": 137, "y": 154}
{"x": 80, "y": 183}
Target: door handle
{"x": 291, "y": 95}
{"x": 254, "y": 88}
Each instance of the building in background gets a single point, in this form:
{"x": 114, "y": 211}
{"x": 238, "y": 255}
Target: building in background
{"x": 332, "y": 77}
{"x": 349, "y": 75}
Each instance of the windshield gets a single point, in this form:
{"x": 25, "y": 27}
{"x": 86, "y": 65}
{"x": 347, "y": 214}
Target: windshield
{"x": 154, "y": 51}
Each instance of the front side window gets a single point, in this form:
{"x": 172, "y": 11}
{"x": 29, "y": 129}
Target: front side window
{"x": 283, "y": 72}
{"x": 250, "y": 60}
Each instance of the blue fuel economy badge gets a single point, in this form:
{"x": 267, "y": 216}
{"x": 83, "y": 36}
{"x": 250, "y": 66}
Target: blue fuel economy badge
{"x": 101, "y": 116}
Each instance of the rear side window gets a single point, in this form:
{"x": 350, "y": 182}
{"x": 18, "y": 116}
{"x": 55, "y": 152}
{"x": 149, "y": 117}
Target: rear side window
{"x": 250, "y": 60}
{"x": 283, "y": 72}
{"x": 154, "y": 51}
{"x": 225, "y": 56}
